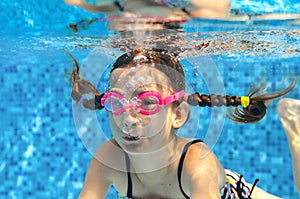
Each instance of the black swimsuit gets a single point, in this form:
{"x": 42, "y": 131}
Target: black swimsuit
{"x": 179, "y": 170}
{"x": 235, "y": 187}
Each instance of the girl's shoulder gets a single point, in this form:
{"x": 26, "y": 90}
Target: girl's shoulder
{"x": 200, "y": 160}
{"x": 200, "y": 154}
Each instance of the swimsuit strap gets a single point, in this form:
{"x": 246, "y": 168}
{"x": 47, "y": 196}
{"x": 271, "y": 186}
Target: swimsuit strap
{"x": 118, "y": 5}
{"x": 129, "y": 181}
{"x": 180, "y": 164}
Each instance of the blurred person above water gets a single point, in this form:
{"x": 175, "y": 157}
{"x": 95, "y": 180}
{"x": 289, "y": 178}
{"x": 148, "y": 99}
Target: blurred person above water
{"x": 158, "y": 8}
{"x": 152, "y": 14}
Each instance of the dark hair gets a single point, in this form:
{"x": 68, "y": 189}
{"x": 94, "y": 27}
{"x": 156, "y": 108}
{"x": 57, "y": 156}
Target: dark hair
{"x": 80, "y": 87}
{"x": 253, "y": 112}
{"x": 163, "y": 60}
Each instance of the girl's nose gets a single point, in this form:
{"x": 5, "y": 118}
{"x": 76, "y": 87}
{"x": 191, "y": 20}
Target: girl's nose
{"x": 130, "y": 120}
{"x": 129, "y": 124}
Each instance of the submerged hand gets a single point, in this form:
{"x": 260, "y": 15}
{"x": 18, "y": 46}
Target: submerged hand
{"x": 289, "y": 113}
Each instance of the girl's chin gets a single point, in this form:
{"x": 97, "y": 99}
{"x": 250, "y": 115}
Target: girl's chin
{"x": 133, "y": 144}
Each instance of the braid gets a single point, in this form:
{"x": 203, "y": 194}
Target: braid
{"x": 92, "y": 103}
{"x": 213, "y": 100}
{"x": 82, "y": 88}
{"x": 253, "y": 112}
{"x": 98, "y": 105}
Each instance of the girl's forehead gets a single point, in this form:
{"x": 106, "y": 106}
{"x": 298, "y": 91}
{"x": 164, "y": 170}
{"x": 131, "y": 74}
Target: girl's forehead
{"x": 144, "y": 76}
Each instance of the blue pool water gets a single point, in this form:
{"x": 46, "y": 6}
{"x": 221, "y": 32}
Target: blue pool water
{"x": 42, "y": 155}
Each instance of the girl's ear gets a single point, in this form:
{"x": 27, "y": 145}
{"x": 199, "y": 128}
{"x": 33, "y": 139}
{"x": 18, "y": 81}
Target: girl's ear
{"x": 181, "y": 113}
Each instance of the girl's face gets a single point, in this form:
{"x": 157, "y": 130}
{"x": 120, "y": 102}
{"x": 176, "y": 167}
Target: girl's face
{"x": 134, "y": 130}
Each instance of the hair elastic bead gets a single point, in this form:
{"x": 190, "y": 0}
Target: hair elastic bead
{"x": 245, "y": 100}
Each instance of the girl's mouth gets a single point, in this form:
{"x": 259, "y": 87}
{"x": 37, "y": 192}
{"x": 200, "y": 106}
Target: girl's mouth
{"x": 131, "y": 138}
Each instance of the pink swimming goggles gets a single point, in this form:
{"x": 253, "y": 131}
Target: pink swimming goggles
{"x": 146, "y": 103}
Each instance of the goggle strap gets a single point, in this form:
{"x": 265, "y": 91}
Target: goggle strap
{"x": 173, "y": 97}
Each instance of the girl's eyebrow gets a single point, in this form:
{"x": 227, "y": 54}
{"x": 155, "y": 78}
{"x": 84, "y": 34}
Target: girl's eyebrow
{"x": 140, "y": 91}
{"x": 133, "y": 94}
{"x": 136, "y": 92}
{"x": 116, "y": 90}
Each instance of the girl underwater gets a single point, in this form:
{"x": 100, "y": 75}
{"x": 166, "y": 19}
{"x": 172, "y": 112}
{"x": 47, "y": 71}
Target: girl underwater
{"x": 145, "y": 158}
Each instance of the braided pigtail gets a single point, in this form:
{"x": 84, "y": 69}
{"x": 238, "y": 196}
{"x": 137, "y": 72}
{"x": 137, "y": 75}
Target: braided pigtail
{"x": 83, "y": 91}
{"x": 253, "y": 105}
{"x": 213, "y": 100}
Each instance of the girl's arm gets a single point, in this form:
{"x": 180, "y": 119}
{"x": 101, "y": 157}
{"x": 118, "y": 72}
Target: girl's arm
{"x": 107, "y": 7}
{"x": 205, "y": 185}
{"x": 96, "y": 182}
{"x": 203, "y": 175}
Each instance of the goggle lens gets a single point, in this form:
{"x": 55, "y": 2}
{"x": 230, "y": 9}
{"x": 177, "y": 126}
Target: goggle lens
{"x": 113, "y": 104}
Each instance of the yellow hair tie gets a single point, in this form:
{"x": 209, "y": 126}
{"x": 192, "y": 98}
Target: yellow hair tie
{"x": 245, "y": 100}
